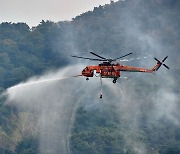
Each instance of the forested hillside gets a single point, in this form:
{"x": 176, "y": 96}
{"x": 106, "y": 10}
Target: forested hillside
{"x": 138, "y": 26}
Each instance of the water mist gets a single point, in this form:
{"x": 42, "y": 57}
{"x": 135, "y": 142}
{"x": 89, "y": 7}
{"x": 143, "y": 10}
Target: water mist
{"x": 53, "y": 99}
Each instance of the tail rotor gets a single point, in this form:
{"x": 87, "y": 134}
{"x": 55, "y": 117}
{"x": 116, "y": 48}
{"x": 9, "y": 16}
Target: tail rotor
{"x": 161, "y": 63}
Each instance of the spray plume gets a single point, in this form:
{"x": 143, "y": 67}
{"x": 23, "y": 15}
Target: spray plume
{"x": 53, "y": 98}
{"x": 54, "y": 104}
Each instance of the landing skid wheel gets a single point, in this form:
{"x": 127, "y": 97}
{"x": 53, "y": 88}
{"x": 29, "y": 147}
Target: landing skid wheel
{"x": 87, "y": 79}
{"x": 114, "y": 81}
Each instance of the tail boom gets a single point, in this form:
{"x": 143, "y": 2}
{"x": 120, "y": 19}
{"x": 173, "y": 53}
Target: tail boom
{"x": 145, "y": 70}
{"x": 156, "y": 67}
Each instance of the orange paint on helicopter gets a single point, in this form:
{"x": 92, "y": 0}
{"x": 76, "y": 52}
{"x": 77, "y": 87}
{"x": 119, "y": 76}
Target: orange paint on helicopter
{"x": 109, "y": 70}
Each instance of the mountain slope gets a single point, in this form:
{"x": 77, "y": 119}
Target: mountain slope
{"x": 139, "y": 26}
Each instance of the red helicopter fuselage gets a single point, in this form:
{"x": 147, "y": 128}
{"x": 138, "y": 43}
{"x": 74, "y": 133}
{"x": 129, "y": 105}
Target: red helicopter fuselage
{"x": 108, "y": 70}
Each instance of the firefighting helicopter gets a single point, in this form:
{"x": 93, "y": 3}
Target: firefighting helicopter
{"x": 108, "y": 69}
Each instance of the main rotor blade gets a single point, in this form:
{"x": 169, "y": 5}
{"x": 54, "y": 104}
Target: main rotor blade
{"x": 98, "y": 55}
{"x": 122, "y": 56}
{"x": 164, "y": 59}
{"x": 87, "y": 58}
{"x": 166, "y": 66}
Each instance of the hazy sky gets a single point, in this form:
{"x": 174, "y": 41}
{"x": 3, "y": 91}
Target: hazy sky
{"x": 34, "y": 11}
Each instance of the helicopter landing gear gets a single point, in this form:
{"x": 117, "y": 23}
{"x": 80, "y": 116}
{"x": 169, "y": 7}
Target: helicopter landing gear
{"x": 87, "y": 79}
{"x": 114, "y": 81}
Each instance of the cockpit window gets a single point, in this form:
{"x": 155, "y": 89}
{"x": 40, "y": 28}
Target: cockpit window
{"x": 86, "y": 69}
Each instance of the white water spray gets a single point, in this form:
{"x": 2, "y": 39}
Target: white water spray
{"x": 53, "y": 100}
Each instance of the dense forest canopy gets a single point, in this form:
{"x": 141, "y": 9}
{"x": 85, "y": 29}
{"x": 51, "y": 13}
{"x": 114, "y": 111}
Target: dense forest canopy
{"x": 138, "y": 26}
